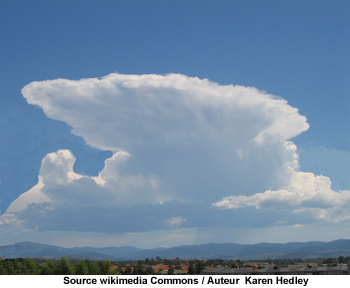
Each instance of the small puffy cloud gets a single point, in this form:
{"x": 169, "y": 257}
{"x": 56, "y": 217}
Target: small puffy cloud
{"x": 57, "y": 168}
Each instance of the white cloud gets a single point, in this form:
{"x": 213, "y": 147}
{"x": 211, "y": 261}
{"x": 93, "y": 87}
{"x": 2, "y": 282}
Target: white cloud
{"x": 138, "y": 110}
{"x": 194, "y": 136}
{"x": 174, "y": 221}
{"x": 57, "y": 181}
{"x": 57, "y": 168}
{"x": 33, "y": 195}
{"x": 180, "y": 144}
{"x": 128, "y": 186}
{"x": 64, "y": 200}
{"x": 307, "y": 193}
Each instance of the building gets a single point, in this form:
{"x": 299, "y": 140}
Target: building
{"x": 341, "y": 269}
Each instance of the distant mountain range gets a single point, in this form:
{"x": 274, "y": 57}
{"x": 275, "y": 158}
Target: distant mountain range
{"x": 314, "y": 249}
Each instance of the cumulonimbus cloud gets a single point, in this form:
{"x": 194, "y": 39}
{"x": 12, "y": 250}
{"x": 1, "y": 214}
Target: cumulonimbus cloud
{"x": 198, "y": 136}
{"x": 180, "y": 144}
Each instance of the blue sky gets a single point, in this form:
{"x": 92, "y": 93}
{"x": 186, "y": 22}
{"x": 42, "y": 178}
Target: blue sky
{"x": 127, "y": 144}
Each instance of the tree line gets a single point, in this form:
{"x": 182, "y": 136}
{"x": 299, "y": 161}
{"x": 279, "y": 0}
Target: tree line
{"x": 64, "y": 266}
{"x": 28, "y": 266}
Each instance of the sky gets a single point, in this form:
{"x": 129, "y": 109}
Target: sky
{"x": 167, "y": 123}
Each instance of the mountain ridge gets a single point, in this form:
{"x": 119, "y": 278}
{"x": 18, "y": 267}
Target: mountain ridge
{"x": 311, "y": 249}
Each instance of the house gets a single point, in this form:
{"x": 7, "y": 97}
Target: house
{"x": 341, "y": 269}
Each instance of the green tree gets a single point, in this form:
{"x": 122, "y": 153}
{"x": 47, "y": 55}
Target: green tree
{"x": 30, "y": 267}
{"x": 171, "y": 270}
{"x": 114, "y": 272}
{"x": 94, "y": 268}
{"x": 199, "y": 267}
{"x": 18, "y": 268}
{"x": 10, "y": 267}
{"x": 191, "y": 269}
{"x": 49, "y": 268}
{"x": 82, "y": 267}
{"x": 3, "y": 270}
{"x": 141, "y": 262}
{"x": 149, "y": 270}
{"x": 105, "y": 267}
{"x": 64, "y": 267}
{"x": 138, "y": 270}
